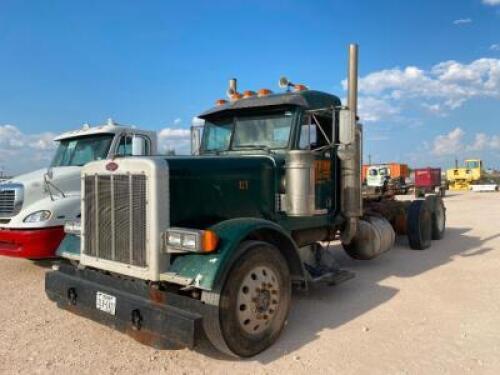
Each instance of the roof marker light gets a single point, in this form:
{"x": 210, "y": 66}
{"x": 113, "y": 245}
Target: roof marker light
{"x": 264, "y": 92}
{"x": 299, "y": 87}
{"x": 248, "y": 94}
{"x": 220, "y": 102}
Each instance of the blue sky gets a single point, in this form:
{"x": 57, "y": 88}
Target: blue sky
{"x": 430, "y": 70}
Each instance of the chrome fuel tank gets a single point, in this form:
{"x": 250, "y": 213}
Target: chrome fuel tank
{"x": 299, "y": 183}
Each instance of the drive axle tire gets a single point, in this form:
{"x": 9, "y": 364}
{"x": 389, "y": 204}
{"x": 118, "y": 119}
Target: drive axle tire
{"x": 250, "y": 307}
{"x": 438, "y": 215}
{"x": 419, "y": 222}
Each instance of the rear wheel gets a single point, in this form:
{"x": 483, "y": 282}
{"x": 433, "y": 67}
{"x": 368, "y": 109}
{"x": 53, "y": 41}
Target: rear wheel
{"x": 250, "y": 308}
{"x": 419, "y": 224}
{"x": 438, "y": 215}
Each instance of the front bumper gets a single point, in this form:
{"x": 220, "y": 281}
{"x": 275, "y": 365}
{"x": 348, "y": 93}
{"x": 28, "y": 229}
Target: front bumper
{"x": 160, "y": 319}
{"x": 31, "y": 243}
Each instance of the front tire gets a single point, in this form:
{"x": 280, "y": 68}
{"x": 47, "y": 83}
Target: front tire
{"x": 250, "y": 307}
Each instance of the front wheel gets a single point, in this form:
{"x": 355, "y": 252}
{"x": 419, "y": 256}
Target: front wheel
{"x": 250, "y": 308}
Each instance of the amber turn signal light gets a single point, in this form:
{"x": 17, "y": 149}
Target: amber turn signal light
{"x": 209, "y": 241}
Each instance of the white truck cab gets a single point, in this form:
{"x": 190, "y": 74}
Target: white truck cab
{"x": 377, "y": 176}
{"x": 35, "y": 206}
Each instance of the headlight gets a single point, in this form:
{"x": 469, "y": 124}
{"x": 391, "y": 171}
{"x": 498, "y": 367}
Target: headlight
{"x": 189, "y": 241}
{"x": 37, "y": 217}
{"x": 73, "y": 227}
{"x": 174, "y": 239}
{"x": 180, "y": 240}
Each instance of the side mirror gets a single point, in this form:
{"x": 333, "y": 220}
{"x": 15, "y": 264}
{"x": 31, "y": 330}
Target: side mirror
{"x": 138, "y": 146}
{"x": 195, "y": 140}
{"x": 347, "y": 127}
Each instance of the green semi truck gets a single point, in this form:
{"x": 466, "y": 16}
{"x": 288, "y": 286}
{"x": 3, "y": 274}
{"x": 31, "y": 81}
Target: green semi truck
{"x": 172, "y": 247}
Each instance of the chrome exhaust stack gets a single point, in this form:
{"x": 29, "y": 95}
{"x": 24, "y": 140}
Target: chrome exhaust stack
{"x": 352, "y": 203}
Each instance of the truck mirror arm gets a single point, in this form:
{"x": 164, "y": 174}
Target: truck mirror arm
{"x": 49, "y": 184}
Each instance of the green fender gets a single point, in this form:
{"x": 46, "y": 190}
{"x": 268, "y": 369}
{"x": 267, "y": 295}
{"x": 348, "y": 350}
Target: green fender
{"x": 69, "y": 247}
{"x": 206, "y": 269}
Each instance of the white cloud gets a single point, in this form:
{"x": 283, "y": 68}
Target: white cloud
{"x": 453, "y": 143}
{"x": 495, "y": 47}
{"x": 433, "y": 108}
{"x": 177, "y": 121}
{"x": 20, "y": 152}
{"x": 491, "y": 2}
{"x": 484, "y": 142}
{"x": 448, "y": 144}
{"x": 172, "y": 133}
{"x": 480, "y": 142}
{"x": 178, "y": 139}
{"x": 372, "y": 109}
{"x": 462, "y": 21}
{"x": 444, "y": 87}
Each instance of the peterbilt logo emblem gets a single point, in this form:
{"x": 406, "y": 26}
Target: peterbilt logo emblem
{"x": 111, "y": 166}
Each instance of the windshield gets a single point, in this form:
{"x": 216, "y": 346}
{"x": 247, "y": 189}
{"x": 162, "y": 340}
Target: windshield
{"x": 472, "y": 164}
{"x": 80, "y": 151}
{"x": 238, "y": 133}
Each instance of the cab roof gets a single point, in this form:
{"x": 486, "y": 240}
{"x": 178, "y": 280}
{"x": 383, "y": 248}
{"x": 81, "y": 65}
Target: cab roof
{"x": 109, "y": 128}
{"x": 307, "y": 99}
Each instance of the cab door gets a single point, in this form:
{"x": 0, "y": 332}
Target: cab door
{"x": 315, "y": 135}
{"x": 133, "y": 145}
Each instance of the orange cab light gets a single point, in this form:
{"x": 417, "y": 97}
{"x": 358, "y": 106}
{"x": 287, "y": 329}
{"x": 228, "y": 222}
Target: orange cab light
{"x": 220, "y": 102}
{"x": 209, "y": 241}
{"x": 235, "y": 96}
{"x": 297, "y": 88}
{"x": 248, "y": 94}
{"x": 264, "y": 92}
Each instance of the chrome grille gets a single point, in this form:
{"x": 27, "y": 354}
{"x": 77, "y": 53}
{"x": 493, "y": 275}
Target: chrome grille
{"x": 115, "y": 218}
{"x": 11, "y": 199}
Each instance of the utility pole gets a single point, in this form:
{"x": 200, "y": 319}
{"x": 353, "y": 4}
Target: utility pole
{"x": 369, "y": 159}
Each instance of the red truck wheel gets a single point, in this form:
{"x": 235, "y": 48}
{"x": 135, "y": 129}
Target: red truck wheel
{"x": 251, "y": 307}
{"x": 419, "y": 223}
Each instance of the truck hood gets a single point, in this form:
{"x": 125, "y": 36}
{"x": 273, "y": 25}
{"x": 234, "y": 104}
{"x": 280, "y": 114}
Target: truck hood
{"x": 205, "y": 190}
{"x": 66, "y": 179}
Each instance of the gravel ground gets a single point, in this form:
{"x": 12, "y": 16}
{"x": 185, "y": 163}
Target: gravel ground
{"x": 410, "y": 312}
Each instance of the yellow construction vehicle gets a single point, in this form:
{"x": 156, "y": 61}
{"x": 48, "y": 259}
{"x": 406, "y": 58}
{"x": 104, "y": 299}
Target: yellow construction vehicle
{"x": 462, "y": 178}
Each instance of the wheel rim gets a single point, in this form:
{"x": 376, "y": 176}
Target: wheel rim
{"x": 258, "y": 300}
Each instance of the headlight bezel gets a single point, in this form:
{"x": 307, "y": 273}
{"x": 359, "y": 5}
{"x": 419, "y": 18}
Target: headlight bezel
{"x": 39, "y": 216}
{"x": 183, "y": 240}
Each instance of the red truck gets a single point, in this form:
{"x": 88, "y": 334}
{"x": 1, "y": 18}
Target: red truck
{"x": 428, "y": 180}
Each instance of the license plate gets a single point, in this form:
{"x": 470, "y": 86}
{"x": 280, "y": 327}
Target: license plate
{"x": 105, "y": 302}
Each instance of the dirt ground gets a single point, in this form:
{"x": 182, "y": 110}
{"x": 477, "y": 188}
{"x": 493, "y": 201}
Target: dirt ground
{"x": 407, "y": 312}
